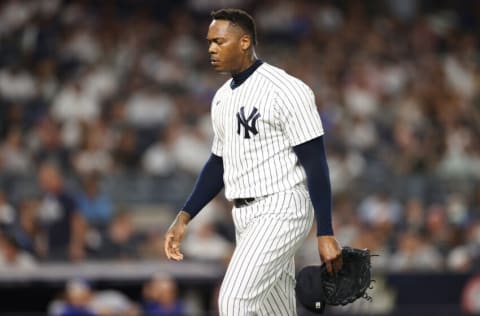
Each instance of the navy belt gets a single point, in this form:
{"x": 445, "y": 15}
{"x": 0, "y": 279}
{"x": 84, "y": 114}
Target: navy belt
{"x": 243, "y": 202}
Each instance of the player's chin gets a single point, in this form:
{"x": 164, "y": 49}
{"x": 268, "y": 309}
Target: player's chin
{"x": 218, "y": 69}
{"x": 217, "y": 66}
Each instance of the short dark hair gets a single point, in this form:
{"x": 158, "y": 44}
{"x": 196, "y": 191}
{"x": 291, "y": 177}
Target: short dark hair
{"x": 240, "y": 18}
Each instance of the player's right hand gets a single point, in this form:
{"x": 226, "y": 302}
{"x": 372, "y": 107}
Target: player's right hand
{"x": 330, "y": 253}
{"x": 174, "y": 236}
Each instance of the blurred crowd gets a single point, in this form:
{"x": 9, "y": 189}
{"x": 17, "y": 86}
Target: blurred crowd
{"x": 159, "y": 297}
{"x": 105, "y": 106}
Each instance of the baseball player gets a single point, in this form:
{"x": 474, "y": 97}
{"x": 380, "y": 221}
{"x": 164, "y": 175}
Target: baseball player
{"x": 268, "y": 153}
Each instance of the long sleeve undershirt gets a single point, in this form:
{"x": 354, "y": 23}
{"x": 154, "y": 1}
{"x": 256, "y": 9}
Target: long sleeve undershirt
{"x": 313, "y": 158}
{"x": 209, "y": 184}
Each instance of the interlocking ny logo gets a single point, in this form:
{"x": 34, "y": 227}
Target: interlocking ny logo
{"x": 250, "y": 123}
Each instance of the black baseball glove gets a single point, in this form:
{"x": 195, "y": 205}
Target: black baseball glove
{"x": 317, "y": 288}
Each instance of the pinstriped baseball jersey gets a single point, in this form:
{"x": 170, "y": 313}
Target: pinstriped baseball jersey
{"x": 255, "y": 127}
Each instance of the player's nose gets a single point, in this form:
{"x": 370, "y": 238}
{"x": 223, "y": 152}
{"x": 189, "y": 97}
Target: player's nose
{"x": 212, "y": 49}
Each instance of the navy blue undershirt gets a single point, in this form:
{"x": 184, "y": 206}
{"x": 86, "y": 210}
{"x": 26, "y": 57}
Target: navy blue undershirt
{"x": 209, "y": 183}
{"x": 238, "y": 79}
{"x": 313, "y": 158}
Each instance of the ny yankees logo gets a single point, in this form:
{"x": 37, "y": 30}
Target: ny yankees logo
{"x": 250, "y": 123}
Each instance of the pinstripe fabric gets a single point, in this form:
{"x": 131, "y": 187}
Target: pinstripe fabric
{"x": 256, "y": 125}
{"x": 264, "y": 163}
{"x": 260, "y": 278}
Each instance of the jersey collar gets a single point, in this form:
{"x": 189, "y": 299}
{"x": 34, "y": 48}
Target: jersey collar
{"x": 238, "y": 79}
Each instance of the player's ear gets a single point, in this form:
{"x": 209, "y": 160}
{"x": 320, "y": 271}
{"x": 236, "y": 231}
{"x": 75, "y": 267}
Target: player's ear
{"x": 245, "y": 42}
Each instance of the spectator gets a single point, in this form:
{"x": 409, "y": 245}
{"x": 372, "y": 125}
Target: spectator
{"x": 190, "y": 148}
{"x": 12, "y": 256}
{"x": 78, "y": 297}
{"x": 414, "y": 218}
{"x": 121, "y": 241}
{"x": 17, "y": 84}
{"x": 415, "y": 253}
{"x": 153, "y": 246}
{"x": 73, "y": 103}
{"x": 158, "y": 158}
{"x": 26, "y": 229}
{"x": 63, "y": 225}
{"x": 94, "y": 204}
{"x": 380, "y": 209}
{"x": 92, "y": 156}
{"x": 113, "y": 303}
{"x": 147, "y": 108}
{"x": 160, "y": 296}
{"x": 14, "y": 159}
{"x": 126, "y": 155}
{"x": 47, "y": 145}
{"x": 7, "y": 212}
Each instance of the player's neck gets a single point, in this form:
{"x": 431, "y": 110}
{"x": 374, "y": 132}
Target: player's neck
{"x": 239, "y": 78}
{"x": 249, "y": 61}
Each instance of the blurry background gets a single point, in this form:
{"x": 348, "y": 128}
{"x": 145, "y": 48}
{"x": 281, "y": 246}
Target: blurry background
{"x": 104, "y": 126}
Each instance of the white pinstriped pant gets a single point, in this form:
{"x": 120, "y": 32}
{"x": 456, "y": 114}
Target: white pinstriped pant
{"x": 260, "y": 279}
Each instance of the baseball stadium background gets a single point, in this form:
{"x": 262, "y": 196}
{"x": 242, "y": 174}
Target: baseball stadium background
{"x": 112, "y": 99}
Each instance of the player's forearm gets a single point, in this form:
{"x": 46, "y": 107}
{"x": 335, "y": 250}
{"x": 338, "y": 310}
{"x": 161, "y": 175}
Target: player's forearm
{"x": 209, "y": 183}
{"x": 313, "y": 159}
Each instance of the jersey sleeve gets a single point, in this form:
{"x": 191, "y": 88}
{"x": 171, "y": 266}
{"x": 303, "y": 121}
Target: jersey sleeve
{"x": 298, "y": 113}
{"x": 217, "y": 144}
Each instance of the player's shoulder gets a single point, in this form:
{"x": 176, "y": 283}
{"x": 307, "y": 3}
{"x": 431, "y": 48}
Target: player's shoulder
{"x": 222, "y": 90}
{"x": 282, "y": 80}
{"x": 225, "y": 85}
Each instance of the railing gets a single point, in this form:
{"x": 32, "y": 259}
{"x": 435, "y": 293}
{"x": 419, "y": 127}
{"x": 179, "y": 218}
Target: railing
{"x": 410, "y": 293}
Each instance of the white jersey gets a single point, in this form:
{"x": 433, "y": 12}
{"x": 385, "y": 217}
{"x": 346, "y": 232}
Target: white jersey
{"x": 256, "y": 125}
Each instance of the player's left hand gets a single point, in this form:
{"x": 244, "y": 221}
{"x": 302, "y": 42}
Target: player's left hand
{"x": 331, "y": 253}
